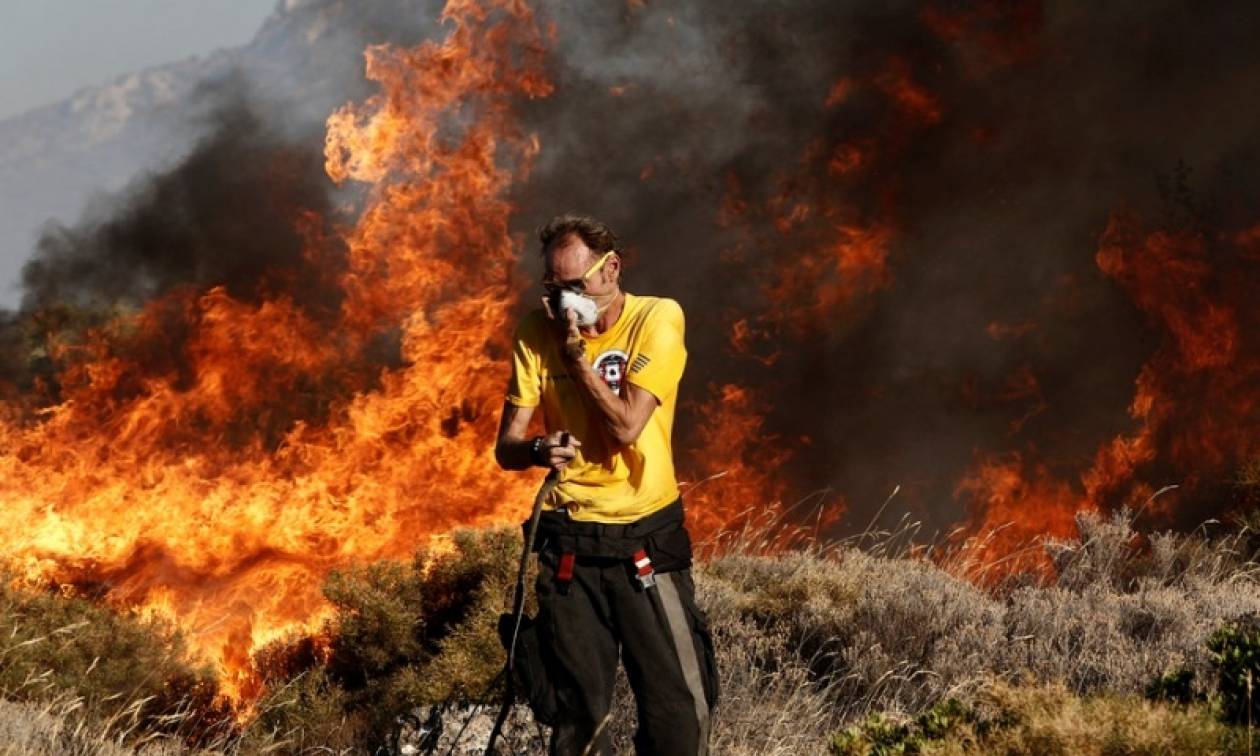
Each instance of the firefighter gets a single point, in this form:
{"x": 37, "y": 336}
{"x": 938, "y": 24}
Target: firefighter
{"x": 614, "y": 554}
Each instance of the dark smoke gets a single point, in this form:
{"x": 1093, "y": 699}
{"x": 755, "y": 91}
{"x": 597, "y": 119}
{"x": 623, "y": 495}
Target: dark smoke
{"x": 224, "y": 216}
{"x": 247, "y": 209}
{"x": 1050, "y": 118}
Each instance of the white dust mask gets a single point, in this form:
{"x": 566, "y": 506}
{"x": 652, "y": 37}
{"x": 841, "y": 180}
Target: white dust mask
{"x": 585, "y": 308}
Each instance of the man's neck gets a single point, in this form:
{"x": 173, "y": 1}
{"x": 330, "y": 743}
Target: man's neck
{"x": 608, "y": 318}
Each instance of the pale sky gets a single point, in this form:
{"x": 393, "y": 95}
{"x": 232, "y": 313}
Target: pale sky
{"x": 51, "y": 48}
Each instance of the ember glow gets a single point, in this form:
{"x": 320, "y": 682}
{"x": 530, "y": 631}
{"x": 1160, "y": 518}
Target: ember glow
{"x": 210, "y": 455}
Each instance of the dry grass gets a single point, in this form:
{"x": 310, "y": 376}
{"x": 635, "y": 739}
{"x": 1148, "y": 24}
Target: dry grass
{"x": 810, "y": 642}
{"x": 68, "y": 725}
{"x": 77, "y": 677}
{"x": 818, "y": 639}
{"x": 896, "y": 634}
{"x": 1048, "y": 720}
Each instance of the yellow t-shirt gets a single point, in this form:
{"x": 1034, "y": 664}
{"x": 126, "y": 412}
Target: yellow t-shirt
{"x": 605, "y": 482}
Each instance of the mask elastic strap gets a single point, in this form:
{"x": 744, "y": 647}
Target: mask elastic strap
{"x": 599, "y": 264}
{"x": 612, "y": 297}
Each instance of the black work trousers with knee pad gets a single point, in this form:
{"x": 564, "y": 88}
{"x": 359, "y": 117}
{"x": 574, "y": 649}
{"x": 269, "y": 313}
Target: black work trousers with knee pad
{"x": 604, "y": 613}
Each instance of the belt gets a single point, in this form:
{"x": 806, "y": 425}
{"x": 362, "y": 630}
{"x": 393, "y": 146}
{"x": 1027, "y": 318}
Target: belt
{"x": 571, "y": 539}
{"x": 558, "y": 522}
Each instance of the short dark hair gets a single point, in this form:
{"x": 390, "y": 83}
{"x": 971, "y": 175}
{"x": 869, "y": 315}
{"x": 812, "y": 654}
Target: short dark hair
{"x": 594, "y": 233}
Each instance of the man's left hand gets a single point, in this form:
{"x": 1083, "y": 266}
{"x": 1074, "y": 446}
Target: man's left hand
{"x": 574, "y": 345}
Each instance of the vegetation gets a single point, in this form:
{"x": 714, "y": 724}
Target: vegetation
{"x": 1140, "y": 644}
{"x": 1235, "y": 651}
{"x": 63, "y": 657}
{"x": 404, "y": 637}
{"x": 1043, "y": 720}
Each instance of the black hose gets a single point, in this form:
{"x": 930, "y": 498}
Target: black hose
{"x": 518, "y": 602}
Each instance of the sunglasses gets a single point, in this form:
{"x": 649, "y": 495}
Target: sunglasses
{"x": 578, "y": 284}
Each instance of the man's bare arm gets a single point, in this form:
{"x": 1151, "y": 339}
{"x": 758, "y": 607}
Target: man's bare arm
{"x": 623, "y": 415}
{"x": 512, "y": 448}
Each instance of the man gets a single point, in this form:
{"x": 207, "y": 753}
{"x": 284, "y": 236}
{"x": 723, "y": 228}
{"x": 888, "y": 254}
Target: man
{"x": 614, "y": 556}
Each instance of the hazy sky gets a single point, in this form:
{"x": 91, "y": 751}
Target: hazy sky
{"x": 50, "y": 48}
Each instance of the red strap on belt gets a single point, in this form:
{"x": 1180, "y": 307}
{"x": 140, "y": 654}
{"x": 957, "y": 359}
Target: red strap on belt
{"x": 564, "y": 573}
{"x": 643, "y": 569}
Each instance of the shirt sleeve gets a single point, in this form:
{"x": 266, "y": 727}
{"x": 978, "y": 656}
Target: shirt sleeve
{"x": 525, "y": 385}
{"x": 657, "y": 361}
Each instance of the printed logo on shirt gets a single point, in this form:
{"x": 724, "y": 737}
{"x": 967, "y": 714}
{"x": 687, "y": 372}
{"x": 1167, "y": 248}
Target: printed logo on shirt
{"x": 611, "y": 367}
{"x": 639, "y": 363}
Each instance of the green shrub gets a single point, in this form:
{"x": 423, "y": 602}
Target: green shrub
{"x": 403, "y": 636}
{"x": 877, "y": 735}
{"x": 1174, "y": 686}
{"x": 945, "y": 718}
{"x": 880, "y": 736}
{"x": 1235, "y": 653}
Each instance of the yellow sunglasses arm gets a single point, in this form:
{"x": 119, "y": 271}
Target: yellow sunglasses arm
{"x": 598, "y": 264}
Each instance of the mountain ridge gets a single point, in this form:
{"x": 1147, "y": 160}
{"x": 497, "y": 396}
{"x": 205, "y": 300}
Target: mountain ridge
{"x": 56, "y": 160}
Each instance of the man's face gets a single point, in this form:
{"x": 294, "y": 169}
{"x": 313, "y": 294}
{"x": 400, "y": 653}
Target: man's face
{"x": 568, "y": 260}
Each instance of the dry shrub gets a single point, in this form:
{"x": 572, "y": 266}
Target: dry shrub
{"x": 307, "y": 714}
{"x": 1124, "y": 609}
{"x": 889, "y": 634}
{"x": 880, "y": 632}
{"x": 113, "y": 669}
{"x": 1049, "y": 720}
{"x": 771, "y": 701}
{"x": 809, "y": 642}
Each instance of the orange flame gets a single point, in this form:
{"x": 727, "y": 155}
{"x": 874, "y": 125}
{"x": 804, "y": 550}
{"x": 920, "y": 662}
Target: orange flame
{"x": 210, "y": 460}
{"x": 161, "y": 484}
{"x": 1194, "y": 404}
{"x": 1015, "y": 503}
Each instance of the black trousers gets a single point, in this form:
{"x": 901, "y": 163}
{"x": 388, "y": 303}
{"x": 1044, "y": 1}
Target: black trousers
{"x": 660, "y": 634}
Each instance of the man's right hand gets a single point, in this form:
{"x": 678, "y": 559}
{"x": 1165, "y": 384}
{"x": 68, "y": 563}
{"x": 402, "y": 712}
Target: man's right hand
{"x": 558, "y": 453}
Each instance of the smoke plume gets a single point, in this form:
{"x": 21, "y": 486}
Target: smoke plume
{"x": 986, "y": 145}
